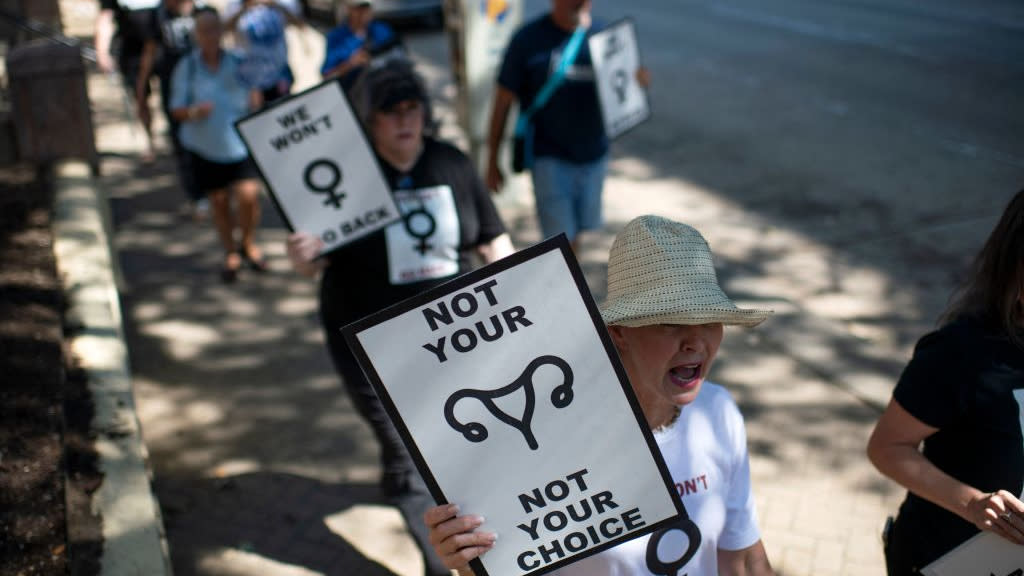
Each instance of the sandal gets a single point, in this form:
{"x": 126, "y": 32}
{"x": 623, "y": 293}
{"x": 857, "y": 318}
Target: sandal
{"x": 253, "y": 258}
{"x": 229, "y": 273}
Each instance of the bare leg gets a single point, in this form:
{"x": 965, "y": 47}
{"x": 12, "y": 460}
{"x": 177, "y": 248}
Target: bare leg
{"x": 146, "y": 119}
{"x": 223, "y": 220}
{"x": 248, "y": 194}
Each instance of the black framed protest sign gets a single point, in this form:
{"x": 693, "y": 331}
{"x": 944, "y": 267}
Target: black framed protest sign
{"x": 616, "y": 58}
{"x": 319, "y": 166}
{"x": 508, "y": 393}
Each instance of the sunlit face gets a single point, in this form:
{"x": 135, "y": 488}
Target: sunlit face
{"x": 398, "y": 132}
{"x": 208, "y": 32}
{"x": 570, "y": 9}
{"x": 667, "y": 364}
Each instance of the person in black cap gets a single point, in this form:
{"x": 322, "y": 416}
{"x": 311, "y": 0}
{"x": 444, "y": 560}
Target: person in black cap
{"x": 448, "y": 217}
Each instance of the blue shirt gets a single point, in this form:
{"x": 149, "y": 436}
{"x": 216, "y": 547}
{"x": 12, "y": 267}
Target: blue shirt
{"x": 570, "y": 126}
{"x": 214, "y": 137}
{"x": 261, "y": 31}
{"x": 342, "y": 43}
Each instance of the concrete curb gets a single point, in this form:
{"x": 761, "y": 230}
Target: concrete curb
{"x": 133, "y": 532}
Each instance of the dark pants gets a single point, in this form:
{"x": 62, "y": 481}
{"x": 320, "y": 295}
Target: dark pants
{"x": 899, "y": 560}
{"x": 400, "y": 483}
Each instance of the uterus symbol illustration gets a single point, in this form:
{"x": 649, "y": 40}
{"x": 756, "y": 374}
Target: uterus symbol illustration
{"x": 561, "y": 397}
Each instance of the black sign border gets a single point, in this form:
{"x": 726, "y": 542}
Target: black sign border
{"x": 626, "y": 21}
{"x": 560, "y": 243}
{"x": 270, "y": 189}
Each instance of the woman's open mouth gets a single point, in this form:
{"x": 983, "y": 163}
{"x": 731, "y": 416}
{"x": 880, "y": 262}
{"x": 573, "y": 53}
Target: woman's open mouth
{"x": 685, "y": 375}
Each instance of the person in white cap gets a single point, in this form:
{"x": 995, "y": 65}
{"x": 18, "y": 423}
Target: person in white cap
{"x": 666, "y": 313}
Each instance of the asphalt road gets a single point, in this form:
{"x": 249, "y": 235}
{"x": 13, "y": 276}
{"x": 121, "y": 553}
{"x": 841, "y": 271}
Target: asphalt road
{"x": 889, "y": 133}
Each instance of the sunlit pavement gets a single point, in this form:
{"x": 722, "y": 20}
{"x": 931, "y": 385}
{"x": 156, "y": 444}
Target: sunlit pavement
{"x": 836, "y": 182}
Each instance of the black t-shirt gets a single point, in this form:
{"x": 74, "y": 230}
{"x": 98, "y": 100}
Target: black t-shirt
{"x": 570, "y": 126}
{"x": 448, "y": 213}
{"x": 134, "y": 25}
{"x": 968, "y": 382}
{"x": 173, "y": 32}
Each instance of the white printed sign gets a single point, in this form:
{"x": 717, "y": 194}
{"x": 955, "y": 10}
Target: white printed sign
{"x": 319, "y": 166}
{"x": 985, "y": 553}
{"x": 616, "y": 59}
{"x": 425, "y": 244}
{"x": 508, "y": 393}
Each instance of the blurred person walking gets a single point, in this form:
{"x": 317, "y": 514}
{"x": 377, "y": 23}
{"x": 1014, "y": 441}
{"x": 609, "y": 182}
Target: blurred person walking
{"x": 352, "y": 44}
{"x": 431, "y": 181}
{"x": 259, "y": 29}
{"x": 121, "y": 29}
{"x": 962, "y": 398}
{"x": 170, "y": 38}
{"x": 547, "y": 69}
{"x": 207, "y": 96}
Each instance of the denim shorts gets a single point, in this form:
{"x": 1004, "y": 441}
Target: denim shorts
{"x": 568, "y": 195}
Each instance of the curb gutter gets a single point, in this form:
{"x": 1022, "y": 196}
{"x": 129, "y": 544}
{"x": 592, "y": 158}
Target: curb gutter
{"x": 133, "y": 532}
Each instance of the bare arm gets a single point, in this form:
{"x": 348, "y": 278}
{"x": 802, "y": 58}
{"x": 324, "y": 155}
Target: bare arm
{"x": 358, "y": 58}
{"x": 752, "y": 561}
{"x": 255, "y": 100}
{"x": 503, "y": 99}
{"x": 495, "y": 249}
{"x": 893, "y": 449}
{"x": 104, "y": 34}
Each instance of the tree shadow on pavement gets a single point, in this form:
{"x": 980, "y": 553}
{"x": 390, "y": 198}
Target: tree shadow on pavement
{"x": 220, "y": 526}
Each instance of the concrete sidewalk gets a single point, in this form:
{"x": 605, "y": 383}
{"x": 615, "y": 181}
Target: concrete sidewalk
{"x": 262, "y": 467}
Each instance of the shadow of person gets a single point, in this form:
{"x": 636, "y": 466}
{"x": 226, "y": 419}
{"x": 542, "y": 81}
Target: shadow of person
{"x": 280, "y": 523}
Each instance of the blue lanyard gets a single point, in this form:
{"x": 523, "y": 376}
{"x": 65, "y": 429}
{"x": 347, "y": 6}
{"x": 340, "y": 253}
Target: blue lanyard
{"x": 572, "y": 49}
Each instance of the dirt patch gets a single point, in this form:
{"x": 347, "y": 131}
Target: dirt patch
{"x": 45, "y": 408}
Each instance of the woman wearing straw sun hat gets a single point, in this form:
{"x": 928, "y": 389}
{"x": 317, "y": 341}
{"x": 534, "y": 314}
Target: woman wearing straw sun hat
{"x": 665, "y": 312}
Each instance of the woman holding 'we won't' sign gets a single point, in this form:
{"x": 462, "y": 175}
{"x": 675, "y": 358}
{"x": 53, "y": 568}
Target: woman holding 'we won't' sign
{"x": 447, "y": 217}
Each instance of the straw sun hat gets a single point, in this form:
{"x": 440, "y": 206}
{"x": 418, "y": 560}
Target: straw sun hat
{"x": 661, "y": 272}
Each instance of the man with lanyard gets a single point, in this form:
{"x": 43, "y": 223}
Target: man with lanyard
{"x": 133, "y": 18}
{"x": 547, "y": 69}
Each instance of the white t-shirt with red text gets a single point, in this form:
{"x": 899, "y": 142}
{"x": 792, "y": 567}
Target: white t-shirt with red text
{"x": 706, "y": 454}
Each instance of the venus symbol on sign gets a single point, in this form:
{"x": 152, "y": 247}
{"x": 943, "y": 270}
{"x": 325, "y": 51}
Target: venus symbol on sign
{"x": 420, "y": 224}
{"x": 315, "y": 181}
{"x": 561, "y": 397}
{"x": 620, "y": 81}
{"x": 613, "y": 46}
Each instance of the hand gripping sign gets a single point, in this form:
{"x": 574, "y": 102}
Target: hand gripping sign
{"x": 616, "y": 59}
{"x": 319, "y": 166}
{"x": 509, "y": 395}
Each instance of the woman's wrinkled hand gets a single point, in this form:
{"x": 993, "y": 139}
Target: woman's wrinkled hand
{"x": 1000, "y": 512}
{"x": 302, "y": 251}
{"x": 454, "y": 539}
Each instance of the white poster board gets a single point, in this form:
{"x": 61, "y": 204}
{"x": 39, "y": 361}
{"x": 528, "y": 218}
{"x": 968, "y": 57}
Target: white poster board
{"x": 319, "y": 166}
{"x": 616, "y": 58}
{"x": 509, "y": 395}
{"x": 985, "y": 553}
